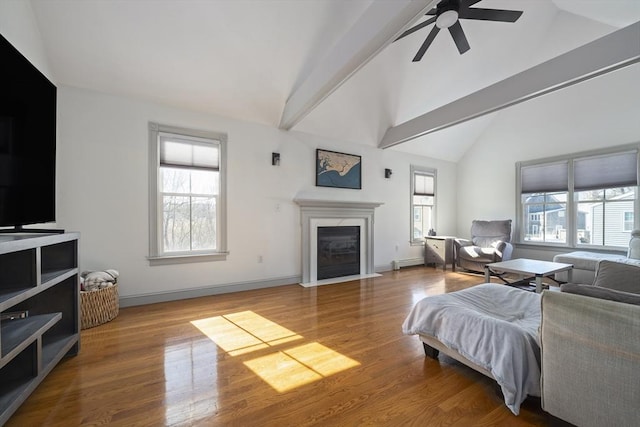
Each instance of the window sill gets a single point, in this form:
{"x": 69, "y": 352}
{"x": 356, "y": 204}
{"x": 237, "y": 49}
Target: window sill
{"x": 186, "y": 258}
{"x": 566, "y": 248}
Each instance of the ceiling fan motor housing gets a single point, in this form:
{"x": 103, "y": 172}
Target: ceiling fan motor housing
{"x": 447, "y": 13}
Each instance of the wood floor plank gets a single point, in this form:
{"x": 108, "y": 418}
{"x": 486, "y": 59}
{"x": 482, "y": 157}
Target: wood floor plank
{"x": 167, "y": 364}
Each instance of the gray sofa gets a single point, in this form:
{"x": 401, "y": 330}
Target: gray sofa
{"x": 585, "y": 263}
{"x": 590, "y": 348}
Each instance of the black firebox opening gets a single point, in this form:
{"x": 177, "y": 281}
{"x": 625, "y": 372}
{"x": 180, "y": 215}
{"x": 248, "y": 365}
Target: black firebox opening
{"x": 338, "y": 251}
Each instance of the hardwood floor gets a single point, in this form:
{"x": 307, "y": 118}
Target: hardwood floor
{"x": 332, "y": 356}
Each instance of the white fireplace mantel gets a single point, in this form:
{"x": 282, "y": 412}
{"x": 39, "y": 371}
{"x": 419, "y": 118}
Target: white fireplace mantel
{"x": 315, "y": 211}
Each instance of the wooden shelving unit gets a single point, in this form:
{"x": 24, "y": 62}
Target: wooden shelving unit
{"x": 39, "y": 275}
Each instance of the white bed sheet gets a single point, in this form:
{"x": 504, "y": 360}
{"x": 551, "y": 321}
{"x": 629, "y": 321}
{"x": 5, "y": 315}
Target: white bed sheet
{"x": 494, "y": 326}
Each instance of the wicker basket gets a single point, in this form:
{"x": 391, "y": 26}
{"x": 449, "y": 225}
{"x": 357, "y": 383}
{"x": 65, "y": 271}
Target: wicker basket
{"x": 98, "y": 307}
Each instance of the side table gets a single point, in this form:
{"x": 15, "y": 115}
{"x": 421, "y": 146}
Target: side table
{"x": 439, "y": 250}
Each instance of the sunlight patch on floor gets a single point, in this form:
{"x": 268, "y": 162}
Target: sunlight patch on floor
{"x": 262, "y": 328}
{"x": 295, "y": 367}
{"x": 321, "y": 359}
{"x": 282, "y": 372}
{"x": 245, "y": 332}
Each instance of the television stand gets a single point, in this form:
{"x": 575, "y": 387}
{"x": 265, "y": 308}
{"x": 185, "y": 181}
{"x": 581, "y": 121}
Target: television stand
{"x": 39, "y": 288}
{"x": 21, "y": 229}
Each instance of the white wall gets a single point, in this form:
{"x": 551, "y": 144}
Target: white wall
{"x": 102, "y": 186}
{"x": 18, "y": 25}
{"x": 598, "y": 113}
{"x": 103, "y": 169}
{"x": 103, "y": 182}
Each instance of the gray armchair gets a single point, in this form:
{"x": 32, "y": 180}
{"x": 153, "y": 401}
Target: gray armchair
{"x": 490, "y": 242}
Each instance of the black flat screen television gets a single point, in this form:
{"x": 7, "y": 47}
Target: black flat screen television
{"x": 27, "y": 142}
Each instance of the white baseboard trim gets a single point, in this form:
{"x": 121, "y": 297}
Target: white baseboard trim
{"x": 133, "y": 300}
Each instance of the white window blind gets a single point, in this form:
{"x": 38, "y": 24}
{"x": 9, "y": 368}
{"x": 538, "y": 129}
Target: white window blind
{"x": 545, "y": 178}
{"x": 180, "y": 152}
{"x": 606, "y": 171}
{"x": 423, "y": 185}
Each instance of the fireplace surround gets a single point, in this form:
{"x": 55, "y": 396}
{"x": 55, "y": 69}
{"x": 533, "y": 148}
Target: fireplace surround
{"x": 331, "y": 213}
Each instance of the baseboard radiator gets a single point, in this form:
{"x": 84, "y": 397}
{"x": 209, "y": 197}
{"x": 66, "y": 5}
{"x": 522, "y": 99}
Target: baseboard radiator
{"x": 409, "y": 262}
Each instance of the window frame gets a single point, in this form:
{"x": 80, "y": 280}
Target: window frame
{"x": 421, "y": 170}
{"x": 572, "y": 199}
{"x": 156, "y": 256}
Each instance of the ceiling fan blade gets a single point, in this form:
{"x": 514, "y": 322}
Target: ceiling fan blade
{"x": 458, "y": 36}
{"x": 491, "y": 14}
{"x": 416, "y": 28}
{"x": 463, "y": 4}
{"x": 425, "y": 45}
{"x": 468, "y": 3}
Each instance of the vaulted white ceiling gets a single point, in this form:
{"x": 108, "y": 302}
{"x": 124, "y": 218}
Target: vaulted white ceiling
{"x": 244, "y": 58}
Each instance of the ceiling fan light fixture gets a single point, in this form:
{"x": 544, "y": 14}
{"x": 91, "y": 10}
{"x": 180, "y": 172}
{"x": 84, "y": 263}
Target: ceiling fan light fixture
{"x": 446, "y": 19}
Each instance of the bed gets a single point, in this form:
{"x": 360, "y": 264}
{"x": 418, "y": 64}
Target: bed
{"x": 491, "y": 328}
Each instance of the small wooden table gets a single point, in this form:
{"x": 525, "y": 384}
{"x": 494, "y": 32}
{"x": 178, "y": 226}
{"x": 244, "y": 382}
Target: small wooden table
{"x": 528, "y": 267}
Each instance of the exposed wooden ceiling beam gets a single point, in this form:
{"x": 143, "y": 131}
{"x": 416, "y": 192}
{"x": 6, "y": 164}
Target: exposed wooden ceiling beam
{"x": 611, "y": 52}
{"x": 381, "y": 23}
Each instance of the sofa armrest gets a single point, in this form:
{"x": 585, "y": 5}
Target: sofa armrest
{"x": 590, "y": 359}
{"x": 602, "y": 293}
{"x": 460, "y": 243}
{"x": 503, "y": 250}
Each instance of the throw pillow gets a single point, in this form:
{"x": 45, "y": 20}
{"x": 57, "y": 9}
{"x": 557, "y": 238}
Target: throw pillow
{"x": 618, "y": 275}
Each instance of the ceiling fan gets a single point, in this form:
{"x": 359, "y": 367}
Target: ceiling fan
{"x": 448, "y": 14}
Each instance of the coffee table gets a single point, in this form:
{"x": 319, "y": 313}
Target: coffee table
{"x": 528, "y": 267}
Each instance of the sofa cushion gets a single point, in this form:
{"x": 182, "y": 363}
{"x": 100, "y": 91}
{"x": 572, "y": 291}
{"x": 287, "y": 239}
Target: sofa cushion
{"x": 583, "y": 260}
{"x": 477, "y": 254}
{"x": 620, "y": 276}
{"x": 602, "y": 293}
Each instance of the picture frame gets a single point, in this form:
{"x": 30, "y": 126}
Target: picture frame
{"x": 338, "y": 170}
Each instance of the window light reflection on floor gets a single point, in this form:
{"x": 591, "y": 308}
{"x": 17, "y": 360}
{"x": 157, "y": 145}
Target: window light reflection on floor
{"x": 300, "y": 365}
{"x": 245, "y": 332}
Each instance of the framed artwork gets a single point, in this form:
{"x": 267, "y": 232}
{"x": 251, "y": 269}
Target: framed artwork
{"x": 338, "y": 170}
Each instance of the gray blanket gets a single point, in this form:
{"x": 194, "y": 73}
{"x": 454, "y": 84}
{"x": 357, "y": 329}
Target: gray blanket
{"x": 494, "y": 326}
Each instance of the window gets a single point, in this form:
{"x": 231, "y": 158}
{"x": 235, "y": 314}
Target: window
{"x": 422, "y": 202}
{"x": 579, "y": 200}
{"x": 627, "y": 221}
{"x": 187, "y": 203}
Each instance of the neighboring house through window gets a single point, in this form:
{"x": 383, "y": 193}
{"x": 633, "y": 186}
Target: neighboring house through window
{"x": 578, "y": 200}
{"x": 423, "y": 184}
{"x": 187, "y": 200}
{"x": 627, "y": 221}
